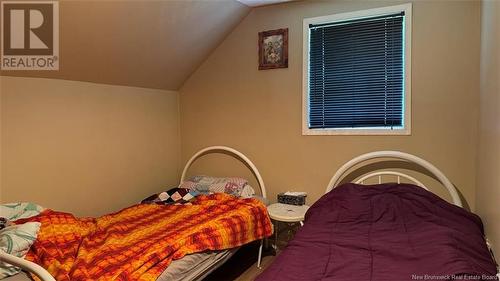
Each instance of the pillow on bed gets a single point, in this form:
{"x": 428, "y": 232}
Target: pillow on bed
{"x": 204, "y": 184}
{"x": 175, "y": 195}
{"x": 247, "y": 192}
{"x": 16, "y": 240}
{"x": 14, "y": 211}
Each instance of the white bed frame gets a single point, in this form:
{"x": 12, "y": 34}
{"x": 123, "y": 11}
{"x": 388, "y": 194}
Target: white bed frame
{"x": 339, "y": 175}
{"x": 337, "y": 178}
{"x": 238, "y": 155}
{"x": 39, "y": 271}
{"x": 44, "y": 275}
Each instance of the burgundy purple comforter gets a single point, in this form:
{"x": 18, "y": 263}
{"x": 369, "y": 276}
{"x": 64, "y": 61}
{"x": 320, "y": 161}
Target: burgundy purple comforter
{"x": 382, "y": 233}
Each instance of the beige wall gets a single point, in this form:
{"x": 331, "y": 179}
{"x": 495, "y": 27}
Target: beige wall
{"x": 83, "y": 147}
{"x": 488, "y": 176}
{"x": 228, "y": 101}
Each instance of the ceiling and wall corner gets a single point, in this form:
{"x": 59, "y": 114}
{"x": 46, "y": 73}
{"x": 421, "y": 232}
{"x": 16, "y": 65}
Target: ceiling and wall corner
{"x": 150, "y": 44}
{"x": 86, "y": 148}
{"x": 119, "y": 134}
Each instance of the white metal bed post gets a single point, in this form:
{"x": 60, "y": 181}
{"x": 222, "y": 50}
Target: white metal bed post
{"x": 213, "y": 149}
{"x": 39, "y": 271}
{"x": 401, "y": 156}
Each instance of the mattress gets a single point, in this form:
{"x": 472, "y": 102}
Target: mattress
{"x": 191, "y": 267}
{"x": 195, "y": 266}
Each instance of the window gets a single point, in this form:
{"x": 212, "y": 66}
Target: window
{"x": 357, "y": 72}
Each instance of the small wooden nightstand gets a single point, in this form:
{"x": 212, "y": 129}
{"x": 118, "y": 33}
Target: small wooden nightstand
{"x": 288, "y": 214}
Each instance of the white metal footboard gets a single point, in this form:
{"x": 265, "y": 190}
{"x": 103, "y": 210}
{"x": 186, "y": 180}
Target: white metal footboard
{"x": 27, "y": 265}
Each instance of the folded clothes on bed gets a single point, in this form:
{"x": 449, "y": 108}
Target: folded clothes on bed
{"x": 139, "y": 242}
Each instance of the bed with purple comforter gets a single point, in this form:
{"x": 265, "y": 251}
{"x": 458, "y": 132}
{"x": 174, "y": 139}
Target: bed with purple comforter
{"x": 382, "y": 233}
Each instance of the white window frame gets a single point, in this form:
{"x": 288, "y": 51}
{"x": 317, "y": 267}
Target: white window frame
{"x": 406, "y": 129}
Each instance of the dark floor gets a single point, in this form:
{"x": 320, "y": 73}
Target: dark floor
{"x": 243, "y": 262}
{"x": 240, "y": 262}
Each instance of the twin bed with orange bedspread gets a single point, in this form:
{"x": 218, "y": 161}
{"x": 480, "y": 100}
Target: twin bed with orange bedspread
{"x": 147, "y": 241}
{"x": 139, "y": 242}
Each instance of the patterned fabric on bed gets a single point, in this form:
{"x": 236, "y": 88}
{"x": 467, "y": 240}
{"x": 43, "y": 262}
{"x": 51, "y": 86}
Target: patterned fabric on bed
{"x": 16, "y": 240}
{"x": 14, "y": 211}
{"x": 139, "y": 242}
{"x": 172, "y": 196}
{"x": 205, "y": 184}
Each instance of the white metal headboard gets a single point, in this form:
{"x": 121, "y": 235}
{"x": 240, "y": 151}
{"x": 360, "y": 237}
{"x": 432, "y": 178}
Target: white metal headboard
{"x": 234, "y": 152}
{"x": 397, "y": 155}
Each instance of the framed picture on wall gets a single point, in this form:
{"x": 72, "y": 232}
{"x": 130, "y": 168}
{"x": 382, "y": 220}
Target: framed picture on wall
{"x": 273, "y": 49}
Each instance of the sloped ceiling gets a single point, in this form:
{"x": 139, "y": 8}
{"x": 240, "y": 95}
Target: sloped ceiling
{"x": 143, "y": 43}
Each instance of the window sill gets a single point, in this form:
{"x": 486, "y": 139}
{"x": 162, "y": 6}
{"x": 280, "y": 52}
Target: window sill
{"x": 355, "y": 132}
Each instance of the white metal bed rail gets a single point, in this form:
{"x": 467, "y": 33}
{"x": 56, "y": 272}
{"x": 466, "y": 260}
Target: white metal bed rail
{"x": 398, "y": 175}
{"x": 32, "y": 267}
{"x": 234, "y": 152}
{"x": 336, "y": 179}
{"x": 239, "y": 155}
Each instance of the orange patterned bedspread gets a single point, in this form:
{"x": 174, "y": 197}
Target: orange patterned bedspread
{"x": 139, "y": 242}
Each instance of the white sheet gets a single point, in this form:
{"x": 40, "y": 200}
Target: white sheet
{"x": 189, "y": 268}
